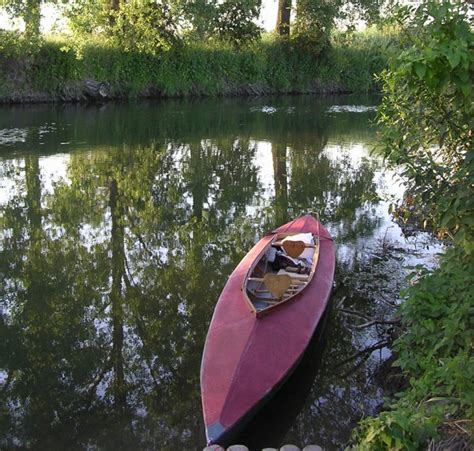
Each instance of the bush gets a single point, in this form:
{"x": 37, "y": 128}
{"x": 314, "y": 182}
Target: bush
{"x": 427, "y": 136}
{"x": 435, "y": 354}
{"x": 427, "y": 115}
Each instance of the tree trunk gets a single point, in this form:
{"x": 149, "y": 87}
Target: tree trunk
{"x": 280, "y": 175}
{"x": 114, "y": 8}
{"x": 283, "y": 18}
{"x": 33, "y": 193}
{"x": 116, "y": 294}
{"x": 197, "y": 184}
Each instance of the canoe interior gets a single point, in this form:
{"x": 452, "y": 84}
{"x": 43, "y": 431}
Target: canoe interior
{"x": 272, "y": 261}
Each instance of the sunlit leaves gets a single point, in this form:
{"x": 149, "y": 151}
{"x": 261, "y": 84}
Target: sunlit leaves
{"x": 315, "y": 19}
{"x": 234, "y": 21}
{"x": 427, "y": 116}
{"x": 29, "y": 11}
{"x": 145, "y": 26}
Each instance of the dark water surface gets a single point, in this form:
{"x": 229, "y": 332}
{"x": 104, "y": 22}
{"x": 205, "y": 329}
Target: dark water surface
{"x": 119, "y": 225}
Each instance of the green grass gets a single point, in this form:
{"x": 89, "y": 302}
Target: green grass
{"x": 269, "y": 66}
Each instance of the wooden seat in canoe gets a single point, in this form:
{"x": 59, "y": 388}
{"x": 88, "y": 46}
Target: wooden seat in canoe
{"x": 276, "y": 284}
{"x": 270, "y": 289}
{"x": 294, "y": 275}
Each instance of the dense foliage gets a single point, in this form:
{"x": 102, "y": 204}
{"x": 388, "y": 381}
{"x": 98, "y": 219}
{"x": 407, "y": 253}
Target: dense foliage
{"x": 314, "y": 20}
{"x": 163, "y": 23}
{"x": 160, "y": 22}
{"x": 436, "y": 355}
{"x": 182, "y": 47}
{"x": 315, "y": 17}
{"x": 145, "y": 26}
{"x": 427, "y": 118}
{"x": 234, "y": 21}
{"x": 428, "y": 114}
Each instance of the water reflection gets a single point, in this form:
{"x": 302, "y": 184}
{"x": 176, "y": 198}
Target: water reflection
{"x": 120, "y": 225}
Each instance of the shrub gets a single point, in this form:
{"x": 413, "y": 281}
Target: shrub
{"x": 435, "y": 354}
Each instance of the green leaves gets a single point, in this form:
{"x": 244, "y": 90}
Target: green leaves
{"x": 145, "y": 26}
{"x": 426, "y": 120}
{"x": 420, "y": 69}
{"x": 426, "y": 116}
{"x": 435, "y": 354}
{"x": 234, "y": 21}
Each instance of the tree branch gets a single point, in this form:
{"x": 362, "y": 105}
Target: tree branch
{"x": 379, "y": 345}
{"x": 352, "y": 312}
{"x": 376, "y": 321}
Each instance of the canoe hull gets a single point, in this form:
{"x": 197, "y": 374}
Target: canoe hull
{"x": 246, "y": 358}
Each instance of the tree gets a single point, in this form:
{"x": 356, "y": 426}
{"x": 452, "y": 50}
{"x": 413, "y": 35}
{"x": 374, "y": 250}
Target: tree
{"x": 145, "y": 26}
{"x": 234, "y": 21}
{"x": 29, "y": 11}
{"x": 283, "y": 17}
{"x": 150, "y": 26}
{"x": 199, "y": 15}
{"x": 231, "y": 21}
{"x": 280, "y": 176}
{"x": 314, "y": 19}
{"x": 114, "y": 9}
{"x": 427, "y": 115}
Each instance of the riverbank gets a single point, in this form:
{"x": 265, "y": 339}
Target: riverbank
{"x": 56, "y": 71}
{"x": 435, "y": 356}
{"x": 425, "y": 136}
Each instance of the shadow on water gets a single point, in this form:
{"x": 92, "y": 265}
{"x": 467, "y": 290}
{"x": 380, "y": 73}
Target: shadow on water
{"x": 270, "y": 425}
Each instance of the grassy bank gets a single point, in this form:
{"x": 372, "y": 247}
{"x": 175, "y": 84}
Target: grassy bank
{"x": 435, "y": 355}
{"x": 54, "y": 70}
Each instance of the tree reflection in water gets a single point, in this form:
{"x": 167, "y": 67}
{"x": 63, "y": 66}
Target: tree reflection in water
{"x": 109, "y": 276}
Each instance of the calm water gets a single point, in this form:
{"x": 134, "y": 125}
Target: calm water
{"x": 119, "y": 225}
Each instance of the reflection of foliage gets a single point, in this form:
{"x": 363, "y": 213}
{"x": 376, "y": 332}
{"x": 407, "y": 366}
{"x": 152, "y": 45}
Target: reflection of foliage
{"x": 344, "y": 389}
{"x": 339, "y": 190}
{"x": 109, "y": 278}
{"x": 141, "y": 123}
{"x": 129, "y": 331}
{"x": 45, "y": 322}
{"x": 336, "y": 188}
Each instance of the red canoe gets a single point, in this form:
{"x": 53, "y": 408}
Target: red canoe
{"x": 251, "y": 350}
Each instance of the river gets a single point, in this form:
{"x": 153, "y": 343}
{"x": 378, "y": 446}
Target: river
{"x": 119, "y": 225}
